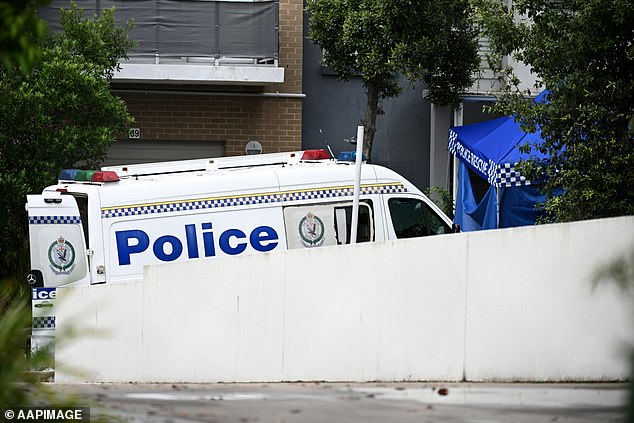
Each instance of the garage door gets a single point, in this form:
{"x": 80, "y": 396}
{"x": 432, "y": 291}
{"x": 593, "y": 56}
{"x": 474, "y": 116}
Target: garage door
{"x": 150, "y": 151}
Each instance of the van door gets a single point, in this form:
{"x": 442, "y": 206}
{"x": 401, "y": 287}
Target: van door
{"x": 317, "y": 225}
{"x": 57, "y": 242}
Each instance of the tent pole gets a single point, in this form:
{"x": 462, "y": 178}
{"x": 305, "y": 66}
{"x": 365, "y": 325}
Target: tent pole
{"x": 497, "y": 207}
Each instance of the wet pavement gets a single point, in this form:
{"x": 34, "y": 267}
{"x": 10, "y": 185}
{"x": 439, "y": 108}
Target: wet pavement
{"x": 354, "y": 402}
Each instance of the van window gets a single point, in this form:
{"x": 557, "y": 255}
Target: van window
{"x": 316, "y": 225}
{"x": 82, "y": 205}
{"x": 412, "y": 218}
{"x": 343, "y": 224}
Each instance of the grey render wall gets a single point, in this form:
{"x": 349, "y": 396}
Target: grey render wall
{"x": 336, "y": 107}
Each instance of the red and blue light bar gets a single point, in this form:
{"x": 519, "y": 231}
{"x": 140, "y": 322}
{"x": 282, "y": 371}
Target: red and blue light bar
{"x": 344, "y": 156}
{"x": 78, "y": 175}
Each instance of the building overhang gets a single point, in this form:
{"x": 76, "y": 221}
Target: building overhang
{"x": 470, "y": 97}
{"x": 191, "y": 73}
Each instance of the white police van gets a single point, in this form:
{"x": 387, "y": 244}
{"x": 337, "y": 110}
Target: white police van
{"x": 102, "y": 227}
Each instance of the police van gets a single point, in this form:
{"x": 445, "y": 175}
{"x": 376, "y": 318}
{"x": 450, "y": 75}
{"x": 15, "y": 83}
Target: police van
{"x": 103, "y": 227}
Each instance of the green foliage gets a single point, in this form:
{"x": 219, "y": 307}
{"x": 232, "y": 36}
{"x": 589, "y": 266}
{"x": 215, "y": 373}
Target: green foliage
{"x": 439, "y": 45}
{"x": 19, "y": 385}
{"x": 56, "y": 116}
{"x": 432, "y": 40}
{"x": 15, "y": 319}
{"x": 442, "y": 198}
{"x": 583, "y": 52}
{"x": 20, "y": 32}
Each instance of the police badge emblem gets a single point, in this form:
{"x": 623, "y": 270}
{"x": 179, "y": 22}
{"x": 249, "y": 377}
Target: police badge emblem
{"x": 311, "y": 230}
{"x": 61, "y": 256}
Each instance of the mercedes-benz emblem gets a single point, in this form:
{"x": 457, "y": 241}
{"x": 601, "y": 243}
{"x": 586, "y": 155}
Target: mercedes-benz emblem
{"x": 31, "y": 279}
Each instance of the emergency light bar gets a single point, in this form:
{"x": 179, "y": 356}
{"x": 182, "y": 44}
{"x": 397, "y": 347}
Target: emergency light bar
{"x": 315, "y": 155}
{"x": 111, "y": 174}
{"x": 104, "y": 176}
{"x": 68, "y": 174}
{"x": 77, "y": 175}
{"x": 349, "y": 156}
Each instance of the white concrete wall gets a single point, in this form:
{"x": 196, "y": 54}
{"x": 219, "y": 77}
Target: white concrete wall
{"x": 505, "y": 305}
{"x": 534, "y": 315}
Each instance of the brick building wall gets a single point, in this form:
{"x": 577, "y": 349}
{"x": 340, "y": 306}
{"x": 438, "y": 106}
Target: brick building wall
{"x": 271, "y": 114}
{"x": 291, "y": 45}
{"x": 234, "y": 119}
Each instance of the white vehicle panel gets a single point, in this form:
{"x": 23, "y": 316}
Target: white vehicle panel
{"x": 56, "y": 238}
{"x": 146, "y": 240}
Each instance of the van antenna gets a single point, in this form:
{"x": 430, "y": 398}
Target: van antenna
{"x": 332, "y": 156}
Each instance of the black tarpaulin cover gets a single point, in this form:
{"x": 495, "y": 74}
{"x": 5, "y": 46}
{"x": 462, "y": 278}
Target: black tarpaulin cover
{"x": 186, "y": 28}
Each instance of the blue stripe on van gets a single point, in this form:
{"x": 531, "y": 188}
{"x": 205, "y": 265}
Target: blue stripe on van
{"x": 54, "y": 220}
{"x": 46, "y": 322}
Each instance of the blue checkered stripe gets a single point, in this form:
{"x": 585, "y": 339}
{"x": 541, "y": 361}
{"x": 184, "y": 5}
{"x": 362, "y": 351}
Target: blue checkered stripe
{"x": 246, "y": 200}
{"x": 507, "y": 176}
{"x": 189, "y": 205}
{"x": 453, "y": 137}
{"x": 54, "y": 220}
{"x": 46, "y": 322}
{"x": 341, "y": 192}
{"x": 384, "y": 189}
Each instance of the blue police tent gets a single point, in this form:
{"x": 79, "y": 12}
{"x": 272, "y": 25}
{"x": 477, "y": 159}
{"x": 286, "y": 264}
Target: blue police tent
{"x": 490, "y": 151}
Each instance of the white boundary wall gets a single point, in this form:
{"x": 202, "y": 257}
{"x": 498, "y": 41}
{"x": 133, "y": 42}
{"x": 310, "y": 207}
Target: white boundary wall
{"x": 504, "y": 305}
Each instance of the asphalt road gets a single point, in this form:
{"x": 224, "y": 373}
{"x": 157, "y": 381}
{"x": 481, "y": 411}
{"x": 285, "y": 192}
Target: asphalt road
{"x": 354, "y": 403}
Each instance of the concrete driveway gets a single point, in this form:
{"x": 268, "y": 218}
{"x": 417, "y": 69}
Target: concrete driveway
{"x": 355, "y": 403}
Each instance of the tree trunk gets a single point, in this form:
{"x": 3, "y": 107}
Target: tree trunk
{"x": 369, "y": 121}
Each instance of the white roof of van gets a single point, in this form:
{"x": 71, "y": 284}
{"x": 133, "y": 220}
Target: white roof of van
{"x": 193, "y": 179}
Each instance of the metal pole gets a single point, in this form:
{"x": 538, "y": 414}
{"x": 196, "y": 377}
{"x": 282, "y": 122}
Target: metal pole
{"x": 497, "y": 207}
{"x": 458, "y": 117}
{"x": 357, "y": 186}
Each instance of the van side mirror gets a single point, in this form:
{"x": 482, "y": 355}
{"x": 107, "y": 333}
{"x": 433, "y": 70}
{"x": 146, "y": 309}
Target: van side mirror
{"x": 455, "y": 228}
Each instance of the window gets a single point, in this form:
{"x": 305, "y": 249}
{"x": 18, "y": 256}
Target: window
{"x": 82, "y": 205}
{"x": 316, "y": 225}
{"x": 343, "y": 224}
{"x": 412, "y": 218}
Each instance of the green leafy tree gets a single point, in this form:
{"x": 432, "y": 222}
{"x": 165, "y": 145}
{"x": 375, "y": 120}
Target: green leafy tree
{"x": 432, "y": 40}
{"x": 442, "y": 198}
{"x": 583, "y": 52}
{"x": 20, "y": 33}
{"x": 55, "y": 116}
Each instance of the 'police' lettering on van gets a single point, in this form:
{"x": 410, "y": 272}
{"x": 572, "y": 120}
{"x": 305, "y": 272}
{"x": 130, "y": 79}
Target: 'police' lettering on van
{"x": 43, "y": 294}
{"x": 169, "y": 247}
